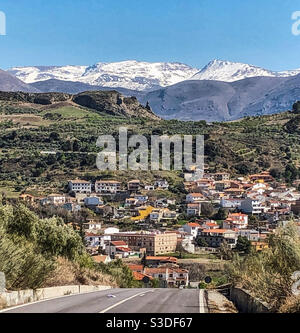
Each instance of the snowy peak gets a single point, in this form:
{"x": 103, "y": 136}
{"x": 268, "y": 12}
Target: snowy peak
{"x": 144, "y": 76}
{"x": 137, "y": 75}
{"x": 131, "y": 74}
{"x": 227, "y": 71}
{"x": 43, "y": 73}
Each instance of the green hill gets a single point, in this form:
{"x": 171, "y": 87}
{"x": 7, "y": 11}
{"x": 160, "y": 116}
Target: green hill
{"x": 71, "y": 130}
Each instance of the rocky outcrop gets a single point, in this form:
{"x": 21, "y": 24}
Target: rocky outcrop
{"x": 113, "y": 103}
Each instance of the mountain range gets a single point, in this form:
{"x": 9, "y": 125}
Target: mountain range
{"x": 220, "y": 91}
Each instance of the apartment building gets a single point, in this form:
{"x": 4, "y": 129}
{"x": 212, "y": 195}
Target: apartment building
{"x": 252, "y": 206}
{"x": 107, "y": 186}
{"x": 215, "y": 237}
{"x": 154, "y": 243}
{"x": 80, "y": 186}
{"x": 134, "y": 185}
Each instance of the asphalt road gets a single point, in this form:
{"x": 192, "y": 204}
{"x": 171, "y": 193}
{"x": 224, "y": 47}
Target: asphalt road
{"x": 121, "y": 301}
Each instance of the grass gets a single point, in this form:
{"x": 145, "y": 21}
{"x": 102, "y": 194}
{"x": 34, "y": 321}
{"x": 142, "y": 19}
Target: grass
{"x": 9, "y": 192}
{"x": 67, "y": 112}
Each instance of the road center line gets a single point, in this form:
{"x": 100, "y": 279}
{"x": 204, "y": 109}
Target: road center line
{"x": 125, "y": 300}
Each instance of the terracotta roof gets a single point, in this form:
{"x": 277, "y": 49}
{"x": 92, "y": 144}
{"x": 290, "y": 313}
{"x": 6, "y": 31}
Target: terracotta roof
{"x": 161, "y": 258}
{"x": 99, "y": 258}
{"x": 139, "y": 276}
{"x": 237, "y": 214}
{"x": 79, "y": 181}
{"x": 123, "y": 249}
{"x": 135, "y": 267}
{"x": 107, "y": 182}
{"x": 118, "y": 243}
{"x": 196, "y": 194}
{"x": 194, "y": 225}
{"x": 215, "y": 231}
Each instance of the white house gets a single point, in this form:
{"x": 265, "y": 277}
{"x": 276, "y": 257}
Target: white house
{"x": 149, "y": 187}
{"x": 251, "y": 235}
{"x": 192, "y": 229}
{"x": 231, "y": 203}
{"x": 118, "y": 248}
{"x": 92, "y": 225}
{"x": 194, "y": 197}
{"x": 80, "y": 186}
{"x": 56, "y": 199}
{"x": 161, "y": 184}
{"x": 193, "y": 209}
{"x": 111, "y": 231}
{"x": 156, "y": 215}
{"x": 252, "y": 206}
{"x": 236, "y": 220}
{"x": 92, "y": 240}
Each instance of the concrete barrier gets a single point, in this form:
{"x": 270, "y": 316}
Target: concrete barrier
{"x": 13, "y": 298}
{"x": 247, "y": 303}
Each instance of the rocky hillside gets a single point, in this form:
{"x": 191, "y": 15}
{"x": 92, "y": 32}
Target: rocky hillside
{"x": 113, "y": 103}
{"x": 108, "y": 102}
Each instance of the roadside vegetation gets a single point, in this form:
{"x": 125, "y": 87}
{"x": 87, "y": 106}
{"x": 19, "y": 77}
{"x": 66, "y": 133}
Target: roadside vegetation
{"x": 37, "y": 252}
{"x": 268, "y": 274}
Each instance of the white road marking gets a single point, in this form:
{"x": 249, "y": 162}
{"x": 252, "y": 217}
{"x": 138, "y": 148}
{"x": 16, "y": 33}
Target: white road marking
{"x": 201, "y": 301}
{"x": 125, "y": 300}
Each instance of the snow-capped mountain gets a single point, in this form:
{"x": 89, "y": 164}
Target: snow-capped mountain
{"x": 131, "y": 74}
{"x": 144, "y": 76}
{"x": 227, "y": 71}
{"x": 43, "y": 73}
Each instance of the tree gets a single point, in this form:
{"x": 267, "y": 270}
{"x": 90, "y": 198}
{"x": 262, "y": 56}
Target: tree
{"x": 296, "y": 107}
{"x": 275, "y": 173}
{"x": 291, "y": 173}
{"x": 201, "y": 242}
{"x": 221, "y": 214}
{"x": 225, "y": 251}
{"x": 268, "y": 274}
{"x": 207, "y": 209}
{"x": 243, "y": 245}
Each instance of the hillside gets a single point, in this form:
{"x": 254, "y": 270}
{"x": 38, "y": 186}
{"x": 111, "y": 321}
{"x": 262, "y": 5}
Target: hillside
{"x": 224, "y": 101}
{"x": 241, "y": 147}
{"x": 9, "y": 82}
{"x": 105, "y": 102}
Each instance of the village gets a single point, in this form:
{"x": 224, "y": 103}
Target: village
{"x": 215, "y": 210}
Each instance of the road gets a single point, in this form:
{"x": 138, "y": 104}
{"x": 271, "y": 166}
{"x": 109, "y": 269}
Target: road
{"x": 121, "y": 301}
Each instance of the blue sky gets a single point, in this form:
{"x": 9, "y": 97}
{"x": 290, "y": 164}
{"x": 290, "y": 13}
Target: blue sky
{"x": 83, "y": 32}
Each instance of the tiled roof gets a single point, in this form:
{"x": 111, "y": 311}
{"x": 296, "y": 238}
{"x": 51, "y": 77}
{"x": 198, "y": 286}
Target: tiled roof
{"x": 118, "y": 243}
{"x": 161, "y": 258}
{"x": 139, "y": 276}
{"x": 216, "y": 231}
{"x": 136, "y": 268}
{"x": 193, "y": 225}
{"x": 123, "y": 249}
{"x": 79, "y": 181}
{"x": 99, "y": 258}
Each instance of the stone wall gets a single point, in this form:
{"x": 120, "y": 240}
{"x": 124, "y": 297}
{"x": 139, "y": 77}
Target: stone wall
{"x": 246, "y": 303}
